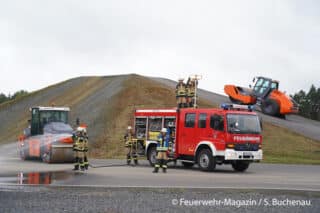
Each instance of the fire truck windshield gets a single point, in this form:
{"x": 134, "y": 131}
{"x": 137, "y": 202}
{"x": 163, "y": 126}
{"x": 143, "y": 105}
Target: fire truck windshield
{"x": 243, "y": 124}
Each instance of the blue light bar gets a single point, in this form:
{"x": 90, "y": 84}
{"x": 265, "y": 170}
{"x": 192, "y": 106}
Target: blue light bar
{"x": 227, "y": 106}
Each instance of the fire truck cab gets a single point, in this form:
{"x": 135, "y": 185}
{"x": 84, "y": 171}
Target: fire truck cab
{"x": 207, "y": 137}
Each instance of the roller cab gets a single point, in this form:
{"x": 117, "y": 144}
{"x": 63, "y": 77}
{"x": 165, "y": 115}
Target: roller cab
{"x": 48, "y": 136}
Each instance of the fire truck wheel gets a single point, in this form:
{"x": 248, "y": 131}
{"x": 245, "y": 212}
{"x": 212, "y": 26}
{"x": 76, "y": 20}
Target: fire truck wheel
{"x": 187, "y": 164}
{"x": 240, "y": 166}
{"x": 206, "y": 161}
{"x": 152, "y": 155}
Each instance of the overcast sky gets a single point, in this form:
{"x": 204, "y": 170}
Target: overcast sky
{"x": 44, "y": 42}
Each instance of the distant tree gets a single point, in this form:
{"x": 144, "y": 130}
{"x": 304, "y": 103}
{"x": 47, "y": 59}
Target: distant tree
{"x": 309, "y": 103}
{"x": 3, "y": 98}
{"x": 20, "y": 93}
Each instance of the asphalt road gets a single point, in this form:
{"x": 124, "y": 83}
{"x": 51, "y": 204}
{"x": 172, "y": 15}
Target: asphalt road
{"x": 33, "y": 186}
{"x": 298, "y": 124}
{"x": 116, "y": 174}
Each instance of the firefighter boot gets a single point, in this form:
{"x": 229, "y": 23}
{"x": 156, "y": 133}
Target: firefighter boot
{"x": 86, "y": 163}
{"x": 136, "y": 161}
{"x": 156, "y": 166}
{"x": 128, "y": 159}
{"x": 76, "y": 167}
{"x": 82, "y": 165}
{"x": 76, "y": 164}
{"x": 164, "y": 166}
{"x": 156, "y": 169}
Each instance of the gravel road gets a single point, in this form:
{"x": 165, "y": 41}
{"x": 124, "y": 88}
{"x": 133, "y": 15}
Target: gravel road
{"x": 146, "y": 200}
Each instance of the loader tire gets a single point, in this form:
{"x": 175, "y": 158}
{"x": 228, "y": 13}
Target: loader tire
{"x": 270, "y": 107}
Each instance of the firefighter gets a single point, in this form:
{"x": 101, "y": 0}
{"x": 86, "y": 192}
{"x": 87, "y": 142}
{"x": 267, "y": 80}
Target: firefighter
{"x": 162, "y": 148}
{"x": 181, "y": 94}
{"x": 78, "y": 148}
{"x": 191, "y": 88}
{"x": 86, "y": 149}
{"x": 131, "y": 146}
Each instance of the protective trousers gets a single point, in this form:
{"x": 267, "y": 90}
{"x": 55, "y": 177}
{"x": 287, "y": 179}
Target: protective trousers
{"x": 131, "y": 150}
{"x": 162, "y": 159}
{"x": 85, "y": 155}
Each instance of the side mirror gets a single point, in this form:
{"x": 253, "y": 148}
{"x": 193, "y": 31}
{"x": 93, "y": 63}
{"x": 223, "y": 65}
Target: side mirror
{"x": 254, "y": 79}
{"x": 250, "y": 86}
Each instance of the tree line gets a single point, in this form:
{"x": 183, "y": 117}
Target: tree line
{"x": 20, "y": 93}
{"x": 309, "y": 103}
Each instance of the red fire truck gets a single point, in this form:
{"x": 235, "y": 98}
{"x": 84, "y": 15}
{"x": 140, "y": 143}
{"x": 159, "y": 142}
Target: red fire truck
{"x": 207, "y": 137}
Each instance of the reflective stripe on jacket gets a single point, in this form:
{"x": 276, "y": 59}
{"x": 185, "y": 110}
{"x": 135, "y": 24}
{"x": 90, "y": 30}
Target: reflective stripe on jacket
{"x": 163, "y": 143}
{"x": 181, "y": 90}
{"x": 79, "y": 144}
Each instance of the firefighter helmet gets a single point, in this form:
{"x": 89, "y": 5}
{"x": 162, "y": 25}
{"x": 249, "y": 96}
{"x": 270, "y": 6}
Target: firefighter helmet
{"x": 81, "y": 129}
{"x": 164, "y": 130}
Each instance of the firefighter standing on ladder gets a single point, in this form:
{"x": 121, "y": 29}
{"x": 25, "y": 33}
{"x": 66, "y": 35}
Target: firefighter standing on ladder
{"x": 181, "y": 94}
{"x": 191, "y": 88}
{"x": 131, "y": 146}
{"x": 162, "y": 148}
{"x": 78, "y": 148}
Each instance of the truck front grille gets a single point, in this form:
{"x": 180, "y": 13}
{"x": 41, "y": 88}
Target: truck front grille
{"x": 246, "y": 147}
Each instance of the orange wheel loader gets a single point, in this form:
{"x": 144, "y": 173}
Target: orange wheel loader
{"x": 264, "y": 93}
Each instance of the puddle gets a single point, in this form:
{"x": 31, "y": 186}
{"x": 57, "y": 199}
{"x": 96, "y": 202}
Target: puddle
{"x": 37, "y": 178}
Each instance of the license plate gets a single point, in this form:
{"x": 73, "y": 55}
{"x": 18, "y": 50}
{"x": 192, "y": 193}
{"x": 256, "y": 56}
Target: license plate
{"x": 247, "y": 154}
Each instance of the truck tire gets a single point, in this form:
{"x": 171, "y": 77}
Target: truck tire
{"x": 187, "y": 164}
{"x": 206, "y": 161}
{"x": 270, "y": 107}
{"x": 152, "y": 155}
{"x": 240, "y": 166}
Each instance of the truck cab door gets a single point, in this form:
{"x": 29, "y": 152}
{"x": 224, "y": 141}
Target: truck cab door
{"x": 217, "y": 125}
{"x": 187, "y": 133}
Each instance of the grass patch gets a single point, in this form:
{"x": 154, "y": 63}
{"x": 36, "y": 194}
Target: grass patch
{"x": 283, "y": 146}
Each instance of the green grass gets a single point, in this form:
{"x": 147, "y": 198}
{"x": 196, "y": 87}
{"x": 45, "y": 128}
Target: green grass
{"x": 283, "y": 146}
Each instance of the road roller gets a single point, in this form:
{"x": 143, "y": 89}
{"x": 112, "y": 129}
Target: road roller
{"x": 266, "y": 94}
{"x": 48, "y": 137}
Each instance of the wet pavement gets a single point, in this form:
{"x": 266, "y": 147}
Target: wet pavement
{"x": 114, "y": 173}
